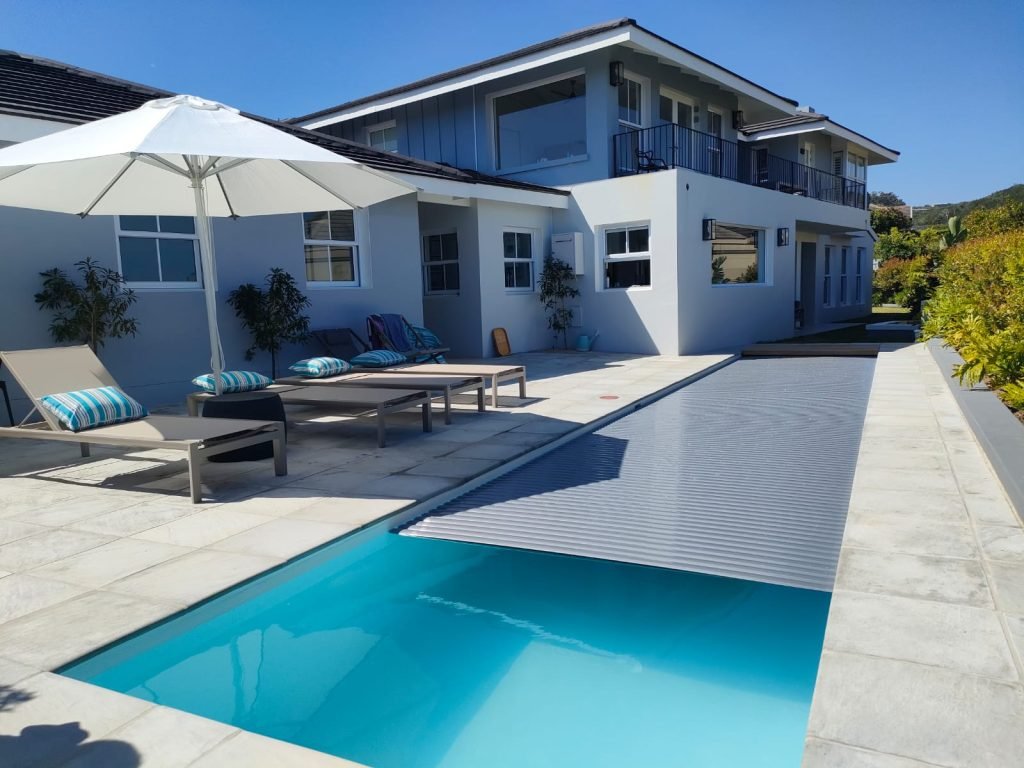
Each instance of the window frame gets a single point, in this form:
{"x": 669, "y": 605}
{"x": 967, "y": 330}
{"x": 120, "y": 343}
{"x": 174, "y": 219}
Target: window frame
{"x": 861, "y": 254}
{"x": 360, "y": 257}
{"x": 492, "y": 118}
{"x": 827, "y": 275}
{"x": 844, "y": 275}
{"x": 602, "y": 276}
{"x": 532, "y": 261}
{"x": 426, "y": 264}
{"x": 643, "y": 104}
{"x": 763, "y": 257}
{"x": 160, "y": 285}
{"x": 382, "y": 126}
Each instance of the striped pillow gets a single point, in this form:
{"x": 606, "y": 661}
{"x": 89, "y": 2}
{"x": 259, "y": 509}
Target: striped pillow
{"x": 378, "y": 358}
{"x": 427, "y": 337}
{"x": 233, "y": 381}
{"x": 88, "y": 408}
{"x": 319, "y": 367}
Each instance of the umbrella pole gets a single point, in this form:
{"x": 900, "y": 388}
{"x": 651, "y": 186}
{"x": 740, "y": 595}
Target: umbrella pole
{"x": 209, "y": 277}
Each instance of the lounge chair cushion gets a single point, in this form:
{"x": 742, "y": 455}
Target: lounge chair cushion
{"x": 378, "y": 358}
{"x": 319, "y": 367}
{"x": 426, "y": 337}
{"x": 97, "y": 407}
{"x": 233, "y": 381}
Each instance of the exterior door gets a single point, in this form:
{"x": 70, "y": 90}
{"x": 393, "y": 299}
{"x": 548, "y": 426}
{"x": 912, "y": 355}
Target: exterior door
{"x": 714, "y": 143}
{"x": 677, "y": 116}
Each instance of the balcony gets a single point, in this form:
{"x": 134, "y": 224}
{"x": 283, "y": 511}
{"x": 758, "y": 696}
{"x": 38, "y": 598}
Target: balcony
{"x": 675, "y": 146}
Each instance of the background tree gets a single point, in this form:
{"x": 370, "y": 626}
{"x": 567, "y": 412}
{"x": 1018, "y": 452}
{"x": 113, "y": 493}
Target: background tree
{"x": 273, "y": 316}
{"x": 885, "y": 198}
{"x": 90, "y": 312}
{"x": 558, "y": 283}
{"x": 884, "y": 219}
{"x": 898, "y": 244}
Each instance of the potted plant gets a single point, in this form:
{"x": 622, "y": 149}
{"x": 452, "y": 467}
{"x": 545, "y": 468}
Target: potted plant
{"x": 90, "y": 312}
{"x": 273, "y": 315}
{"x": 558, "y": 283}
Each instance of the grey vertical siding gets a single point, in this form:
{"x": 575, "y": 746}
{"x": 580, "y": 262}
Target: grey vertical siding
{"x": 746, "y": 473}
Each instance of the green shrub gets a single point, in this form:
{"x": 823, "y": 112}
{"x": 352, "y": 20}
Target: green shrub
{"x": 983, "y": 222}
{"x": 978, "y": 308}
{"x": 907, "y": 282}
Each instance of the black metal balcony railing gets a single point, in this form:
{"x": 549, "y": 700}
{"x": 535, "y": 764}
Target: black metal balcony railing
{"x": 675, "y": 146}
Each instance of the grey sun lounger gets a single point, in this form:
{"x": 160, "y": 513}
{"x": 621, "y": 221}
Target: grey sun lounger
{"x": 438, "y": 386}
{"x": 495, "y": 375}
{"x": 42, "y": 372}
{"x": 359, "y": 401}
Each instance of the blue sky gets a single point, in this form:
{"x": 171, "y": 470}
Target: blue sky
{"x": 942, "y": 81}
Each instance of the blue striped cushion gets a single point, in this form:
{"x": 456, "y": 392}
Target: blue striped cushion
{"x": 378, "y": 358}
{"x": 88, "y": 408}
{"x": 319, "y": 367}
{"x": 429, "y": 338}
{"x": 233, "y": 381}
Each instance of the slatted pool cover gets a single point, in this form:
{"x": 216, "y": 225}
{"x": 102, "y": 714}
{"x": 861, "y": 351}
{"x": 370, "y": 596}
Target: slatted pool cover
{"x": 745, "y": 473}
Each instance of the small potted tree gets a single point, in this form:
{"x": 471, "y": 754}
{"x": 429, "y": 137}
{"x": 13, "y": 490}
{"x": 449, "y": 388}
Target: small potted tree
{"x": 90, "y": 312}
{"x": 273, "y": 315}
{"x": 558, "y": 283}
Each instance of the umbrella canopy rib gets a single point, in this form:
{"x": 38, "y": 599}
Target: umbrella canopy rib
{"x": 309, "y": 178}
{"x": 106, "y": 189}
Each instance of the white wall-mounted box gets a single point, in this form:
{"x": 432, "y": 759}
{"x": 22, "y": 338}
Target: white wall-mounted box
{"x": 568, "y": 247}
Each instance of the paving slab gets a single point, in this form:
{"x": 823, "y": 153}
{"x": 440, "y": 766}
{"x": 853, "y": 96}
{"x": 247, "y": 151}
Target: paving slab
{"x": 109, "y": 562}
{"x": 944, "y": 579}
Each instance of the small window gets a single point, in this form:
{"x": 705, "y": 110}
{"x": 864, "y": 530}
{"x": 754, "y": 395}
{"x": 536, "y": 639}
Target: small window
{"x": 383, "y": 136}
{"x": 517, "y": 250}
{"x": 441, "y": 263}
{"x": 861, "y": 256}
{"x": 160, "y": 251}
{"x": 627, "y": 257}
{"x": 737, "y": 255}
{"x": 331, "y": 248}
{"x": 844, "y": 261}
{"x": 827, "y": 298}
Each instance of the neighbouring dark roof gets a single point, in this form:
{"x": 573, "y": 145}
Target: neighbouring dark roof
{"x": 783, "y": 122}
{"x": 34, "y": 87}
{"x": 569, "y": 37}
{"x": 802, "y": 119}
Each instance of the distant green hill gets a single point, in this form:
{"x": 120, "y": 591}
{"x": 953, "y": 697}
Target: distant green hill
{"x": 926, "y": 216}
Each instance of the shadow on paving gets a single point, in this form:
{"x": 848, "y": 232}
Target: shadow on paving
{"x": 53, "y": 744}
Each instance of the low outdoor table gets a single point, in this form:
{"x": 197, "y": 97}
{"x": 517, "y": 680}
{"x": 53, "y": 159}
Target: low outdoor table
{"x": 258, "y": 406}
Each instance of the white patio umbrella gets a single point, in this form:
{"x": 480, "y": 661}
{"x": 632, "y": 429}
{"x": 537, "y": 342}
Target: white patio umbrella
{"x": 186, "y": 156}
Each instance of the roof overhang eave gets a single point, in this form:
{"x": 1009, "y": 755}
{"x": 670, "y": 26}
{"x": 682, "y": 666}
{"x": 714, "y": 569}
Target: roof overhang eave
{"x": 437, "y": 189}
{"x": 634, "y": 37}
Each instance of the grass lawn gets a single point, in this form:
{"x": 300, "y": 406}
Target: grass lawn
{"x": 858, "y": 333}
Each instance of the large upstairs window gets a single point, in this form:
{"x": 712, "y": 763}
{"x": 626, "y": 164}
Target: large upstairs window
{"x": 542, "y": 123}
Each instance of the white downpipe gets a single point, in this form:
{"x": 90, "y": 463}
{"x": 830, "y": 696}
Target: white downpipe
{"x": 206, "y": 259}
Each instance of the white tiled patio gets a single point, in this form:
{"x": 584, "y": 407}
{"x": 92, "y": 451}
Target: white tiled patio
{"x": 93, "y": 549}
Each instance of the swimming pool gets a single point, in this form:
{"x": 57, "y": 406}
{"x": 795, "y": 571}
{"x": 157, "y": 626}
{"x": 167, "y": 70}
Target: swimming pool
{"x": 398, "y": 652}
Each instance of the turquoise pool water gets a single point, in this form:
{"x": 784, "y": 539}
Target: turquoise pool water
{"x": 411, "y": 653}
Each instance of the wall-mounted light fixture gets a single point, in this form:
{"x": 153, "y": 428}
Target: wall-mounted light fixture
{"x": 708, "y": 229}
{"x": 616, "y": 73}
{"x": 737, "y": 119}
{"x": 782, "y": 237}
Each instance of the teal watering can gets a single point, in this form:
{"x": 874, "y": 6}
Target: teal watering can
{"x": 584, "y": 343}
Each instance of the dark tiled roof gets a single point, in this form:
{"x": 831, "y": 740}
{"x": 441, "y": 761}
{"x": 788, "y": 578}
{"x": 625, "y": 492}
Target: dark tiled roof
{"x": 783, "y": 122}
{"x": 570, "y": 37}
{"x": 50, "y": 90}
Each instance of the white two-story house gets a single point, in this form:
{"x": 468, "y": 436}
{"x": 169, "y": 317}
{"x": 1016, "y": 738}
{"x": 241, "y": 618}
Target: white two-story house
{"x": 705, "y": 210}
{"x": 698, "y": 209}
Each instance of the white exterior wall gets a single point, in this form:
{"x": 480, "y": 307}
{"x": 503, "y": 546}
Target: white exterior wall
{"x": 519, "y": 312}
{"x": 715, "y": 317}
{"x": 636, "y": 319}
{"x": 171, "y": 347}
{"x": 456, "y": 318}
